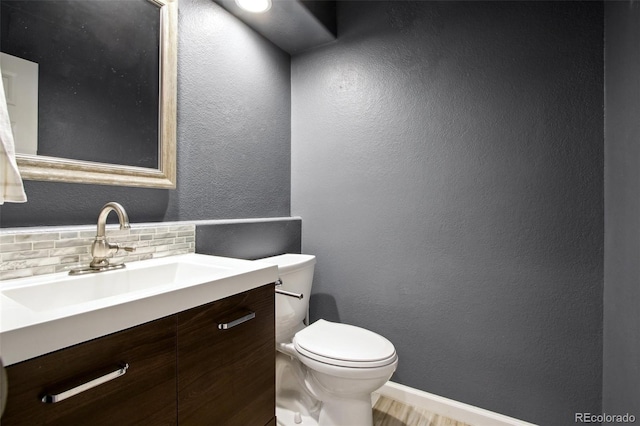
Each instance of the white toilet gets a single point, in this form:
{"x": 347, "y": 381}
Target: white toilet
{"x": 325, "y": 372}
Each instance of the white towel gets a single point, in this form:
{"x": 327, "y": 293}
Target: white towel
{"x": 11, "y": 187}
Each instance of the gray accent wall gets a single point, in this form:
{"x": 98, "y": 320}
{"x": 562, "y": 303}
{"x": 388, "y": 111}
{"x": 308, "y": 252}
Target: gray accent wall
{"x": 234, "y": 119}
{"x": 249, "y": 240}
{"x": 621, "y": 389}
{"x": 233, "y": 136}
{"x": 447, "y": 161}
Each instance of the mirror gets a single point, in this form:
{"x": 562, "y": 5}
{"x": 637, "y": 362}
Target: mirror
{"x": 105, "y": 89}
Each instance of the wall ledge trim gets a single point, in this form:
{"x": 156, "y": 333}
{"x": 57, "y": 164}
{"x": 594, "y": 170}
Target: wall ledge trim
{"x": 63, "y": 228}
{"x": 448, "y": 407}
{"x": 248, "y": 220}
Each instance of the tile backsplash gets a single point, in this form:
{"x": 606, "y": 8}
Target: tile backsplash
{"x": 44, "y": 250}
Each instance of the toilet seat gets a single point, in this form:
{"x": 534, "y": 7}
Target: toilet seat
{"x": 344, "y": 345}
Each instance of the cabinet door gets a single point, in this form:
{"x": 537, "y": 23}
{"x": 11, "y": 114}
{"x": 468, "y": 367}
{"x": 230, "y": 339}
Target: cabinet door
{"x": 227, "y": 376}
{"x": 144, "y": 395}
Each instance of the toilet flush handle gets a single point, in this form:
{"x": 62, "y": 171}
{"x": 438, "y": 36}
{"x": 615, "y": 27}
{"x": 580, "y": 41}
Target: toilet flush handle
{"x": 290, "y": 293}
{"x": 278, "y": 283}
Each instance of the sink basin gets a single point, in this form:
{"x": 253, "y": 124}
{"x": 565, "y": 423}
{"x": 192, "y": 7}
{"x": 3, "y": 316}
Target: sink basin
{"x": 49, "y": 312}
{"x": 68, "y": 290}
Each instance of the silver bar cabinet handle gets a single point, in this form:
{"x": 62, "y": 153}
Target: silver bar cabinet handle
{"x": 228, "y": 325}
{"x": 290, "y": 293}
{"x": 52, "y": 399}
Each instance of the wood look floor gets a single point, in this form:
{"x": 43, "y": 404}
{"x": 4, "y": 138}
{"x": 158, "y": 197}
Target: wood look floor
{"x": 388, "y": 412}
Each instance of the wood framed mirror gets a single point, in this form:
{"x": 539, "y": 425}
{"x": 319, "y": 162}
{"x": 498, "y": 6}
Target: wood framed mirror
{"x": 103, "y": 97}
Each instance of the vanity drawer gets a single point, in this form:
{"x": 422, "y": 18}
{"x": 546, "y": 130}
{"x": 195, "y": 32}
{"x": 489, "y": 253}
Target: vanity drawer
{"x": 145, "y": 394}
{"x": 226, "y": 361}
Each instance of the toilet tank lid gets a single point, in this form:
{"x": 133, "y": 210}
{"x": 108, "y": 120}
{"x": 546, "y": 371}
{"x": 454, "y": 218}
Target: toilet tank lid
{"x": 290, "y": 262}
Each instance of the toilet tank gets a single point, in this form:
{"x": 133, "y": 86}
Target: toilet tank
{"x": 296, "y": 274}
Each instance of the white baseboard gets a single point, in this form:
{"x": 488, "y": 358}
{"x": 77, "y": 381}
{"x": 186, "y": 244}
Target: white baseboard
{"x": 447, "y": 407}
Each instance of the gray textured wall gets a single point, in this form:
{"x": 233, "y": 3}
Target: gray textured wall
{"x": 253, "y": 240}
{"x": 233, "y": 135}
{"x": 447, "y": 161}
{"x": 621, "y": 388}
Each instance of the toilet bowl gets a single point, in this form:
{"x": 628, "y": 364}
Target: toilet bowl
{"x": 326, "y": 371}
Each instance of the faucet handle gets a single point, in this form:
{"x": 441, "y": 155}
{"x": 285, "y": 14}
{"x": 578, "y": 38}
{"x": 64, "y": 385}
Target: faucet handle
{"x": 119, "y": 247}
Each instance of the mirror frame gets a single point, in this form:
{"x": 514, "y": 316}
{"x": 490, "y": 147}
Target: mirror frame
{"x": 43, "y": 168}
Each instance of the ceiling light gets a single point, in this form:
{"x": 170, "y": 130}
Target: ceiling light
{"x": 255, "y": 6}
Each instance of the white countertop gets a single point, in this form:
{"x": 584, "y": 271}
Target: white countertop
{"x": 29, "y": 332}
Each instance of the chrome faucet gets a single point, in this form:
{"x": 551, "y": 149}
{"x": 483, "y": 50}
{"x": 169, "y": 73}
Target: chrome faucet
{"x": 101, "y": 249}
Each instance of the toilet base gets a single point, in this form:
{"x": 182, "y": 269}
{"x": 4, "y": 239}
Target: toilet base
{"x": 342, "y": 412}
{"x": 291, "y": 393}
{"x": 322, "y": 396}
{"x": 287, "y": 417}
{"x": 359, "y": 414}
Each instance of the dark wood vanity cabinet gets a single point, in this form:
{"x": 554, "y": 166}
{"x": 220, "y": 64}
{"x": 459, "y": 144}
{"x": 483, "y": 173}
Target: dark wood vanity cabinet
{"x": 182, "y": 369}
{"x": 145, "y": 394}
{"x": 227, "y": 376}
